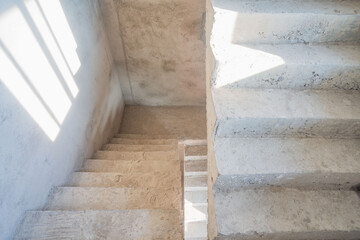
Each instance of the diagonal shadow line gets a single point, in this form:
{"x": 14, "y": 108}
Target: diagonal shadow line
{"x": 52, "y": 34}
{"x": 44, "y": 48}
{"x": 25, "y": 77}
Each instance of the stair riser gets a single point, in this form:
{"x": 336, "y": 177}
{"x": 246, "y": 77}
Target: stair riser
{"x": 196, "y": 166}
{"x": 196, "y": 229}
{"x": 291, "y": 75}
{"x": 119, "y": 147}
{"x": 315, "y": 180}
{"x": 296, "y": 28}
{"x": 144, "y": 141}
{"x": 111, "y": 199}
{"x": 196, "y": 196}
{"x": 113, "y": 155}
{"x": 195, "y": 181}
{"x": 140, "y": 136}
{"x": 196, "y": 213}
{"x": 163, "y": 180}
{"x": 280, "y": 127}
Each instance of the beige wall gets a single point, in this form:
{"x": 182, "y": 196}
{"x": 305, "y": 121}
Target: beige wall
{"x": 162, "y": 45}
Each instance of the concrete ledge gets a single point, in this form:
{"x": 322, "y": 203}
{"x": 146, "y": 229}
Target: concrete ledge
{"x": 297, "y": 162}
{"x": 279, "y": 112}
{"x": 295, "y": 66}
{"x": 293, "y": 21}
{"x": 287, "y": 214}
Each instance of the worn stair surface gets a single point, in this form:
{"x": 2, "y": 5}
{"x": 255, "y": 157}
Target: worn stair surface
{"x": 195, "y": 182}
{"x": 131, "y": 190}
{"x": 286, "y": 103}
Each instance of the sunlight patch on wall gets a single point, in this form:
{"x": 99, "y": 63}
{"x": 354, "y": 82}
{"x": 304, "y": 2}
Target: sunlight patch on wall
{"x": 51, "y": 42}
{"x": 34, "y": 68}
{"x": 62, "y": 31}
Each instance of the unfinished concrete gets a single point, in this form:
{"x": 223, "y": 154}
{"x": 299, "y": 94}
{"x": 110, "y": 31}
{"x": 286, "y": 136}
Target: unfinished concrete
{"x": 134, "y": 199}
{"x": 161, "y": 44}
{"x": 60, "y": 98}
{"x": 183, "y": 122}
{"x": 283, "y": 119}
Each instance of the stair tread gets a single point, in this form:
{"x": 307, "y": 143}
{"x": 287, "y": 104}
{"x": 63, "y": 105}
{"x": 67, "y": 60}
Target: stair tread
{"x": 145, "y": 136}
{"x": 93, "y": 224}
{"x": 308, "y": 162}
{"x": 283, "y": 111}
{"x": 131, "y": 141}
{"x": 139, "y": 147}
{"x": 288, "y": 213}
{"x": 196, "y": 166}
{"x": 140, "y": 155}
{"x": 126, "y": 166}
{"x": 90, "y": 198}
{"x": 196, "y": 150}
{"x": 116, "y": 179}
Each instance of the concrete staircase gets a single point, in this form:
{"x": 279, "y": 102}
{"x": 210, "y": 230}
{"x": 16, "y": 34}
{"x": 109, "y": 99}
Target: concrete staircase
{"x": 131, "y": 189}
{"x": 285, "y": 120}
{"x": 195, "y": 179}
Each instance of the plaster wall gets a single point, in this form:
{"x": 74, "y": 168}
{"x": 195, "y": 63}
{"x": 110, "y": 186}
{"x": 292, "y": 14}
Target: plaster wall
{"x": 162, "y": 45}
{"x": 60, "y": 98}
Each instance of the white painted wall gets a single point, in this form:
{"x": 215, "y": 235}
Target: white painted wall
{"x": 60, "y": 98}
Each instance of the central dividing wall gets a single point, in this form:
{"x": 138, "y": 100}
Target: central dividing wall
{"x": 60, "y": 98}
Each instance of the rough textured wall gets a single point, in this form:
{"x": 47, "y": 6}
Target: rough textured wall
{"x": 164, "y": 49}
{"x": 185, "y": 122}
{"x": 60, "y": 98}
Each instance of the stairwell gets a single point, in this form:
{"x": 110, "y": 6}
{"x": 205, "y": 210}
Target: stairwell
{"x": 131, "y": 189}
{"x": 283, "y": 114}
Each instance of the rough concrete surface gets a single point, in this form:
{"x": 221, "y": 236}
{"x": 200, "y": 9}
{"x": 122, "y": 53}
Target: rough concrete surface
{"x": 164, "y": 49}
{"x": 60, "y": 98}
{"x": 280, "y": 112}
{"x": 287, "y": 214}
{"x": 94, "y": 224}
{"x": 136, "y": 156}
{"x": 315, "y": 163}
{"x": 183, "y": 122}
{"x": 294, "y": 21}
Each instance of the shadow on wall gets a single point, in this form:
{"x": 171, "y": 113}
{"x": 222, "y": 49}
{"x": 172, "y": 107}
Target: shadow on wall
{"x": 59, "y": 100}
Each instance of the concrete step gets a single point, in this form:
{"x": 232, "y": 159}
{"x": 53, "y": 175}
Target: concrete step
{"x": 142, "y": 136}
{"x": 144, "y": 141}
{"x": 295, "y": 66}
{"x": 291, "y": 21}
{"x": 196, "y": 212}
{"x": 281, "y": 213}
{"x": 187, "y": 158}
{"x": 195, "y": 229}
{"x": 195, "y": 195}
{"x": 315, "y": 163}
{"x": 153, "y": 155}
{"x": 280, "y": 112}
{"x": 141, "y": 224}
{"x": 139, "y": 148}
{"x": 130, "y": 180}
{"x": 88, "y": 198}
{"x": 195, "y": 150}
{"x": 195, "y": 180}
{"x": 131, "y": 166}
{"x": 196, "y": 166}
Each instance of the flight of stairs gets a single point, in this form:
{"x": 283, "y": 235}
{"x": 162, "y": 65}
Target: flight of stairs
{"x": 195, "y": 181}
{"x": 131, "y": 189}
{"x": 286, "y": 113}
